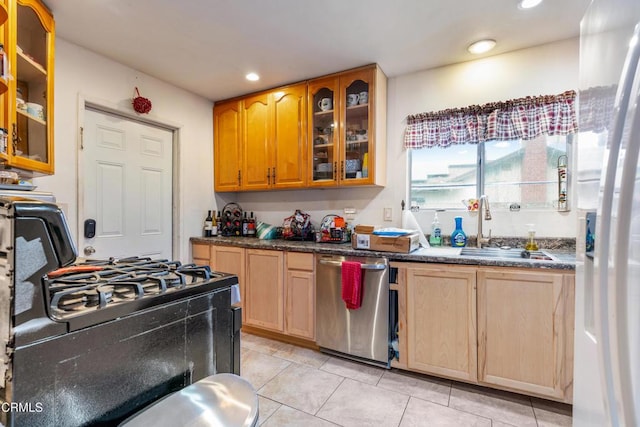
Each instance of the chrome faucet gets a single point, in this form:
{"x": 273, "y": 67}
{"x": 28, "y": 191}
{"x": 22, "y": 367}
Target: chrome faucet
{"x": 483, "y": 203}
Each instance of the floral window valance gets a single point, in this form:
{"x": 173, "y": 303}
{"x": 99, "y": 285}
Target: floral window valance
{"x": 524, "y": 118}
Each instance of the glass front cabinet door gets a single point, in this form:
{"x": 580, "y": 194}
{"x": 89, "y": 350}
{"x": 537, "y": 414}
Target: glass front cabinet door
{"x": 324, "y": 105}
{"x": 355, "y": 150}
{"x": 30, "y": 100}
{"x": 348, "y": 129}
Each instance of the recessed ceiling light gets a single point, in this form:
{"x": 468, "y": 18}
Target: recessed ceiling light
{"x": 528, "y": 4}
{"x": 481, "y": 46}
{"x": 252, "y": 77}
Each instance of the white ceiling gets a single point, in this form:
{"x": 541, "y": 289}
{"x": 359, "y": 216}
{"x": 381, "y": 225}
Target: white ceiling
{"x": 207, "y": 46}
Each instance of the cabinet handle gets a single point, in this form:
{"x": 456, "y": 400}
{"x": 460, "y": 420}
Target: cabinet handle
{"x": 239, "y": 178}
{"x": 342, "y": 169}
{"x": 362, "y": 266}
{"x": 14, "y": 138}
{"x": 269, "y": 176}
{"x": 274, "y": 176}
{"x": 335, "y": 170}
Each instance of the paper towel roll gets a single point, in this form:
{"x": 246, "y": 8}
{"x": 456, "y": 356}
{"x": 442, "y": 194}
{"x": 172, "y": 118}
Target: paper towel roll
{"x": 409, "y": 222}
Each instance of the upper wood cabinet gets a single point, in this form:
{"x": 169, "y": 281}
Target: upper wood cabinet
{"x": 326, "y": 132}
{"x": 27, "y": 104}
{"x": 274, "y": 139}
{"x": 289, "y": 137}
{"x": 347, "y": 128}
{"x": 227, "y": 126}
{"x": 260, "y": 141}
{"x": 256, "y": 143}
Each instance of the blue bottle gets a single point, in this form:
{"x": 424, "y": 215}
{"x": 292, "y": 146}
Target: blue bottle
{"x": 590, "y": 238}
{"x": 458, "y": 238}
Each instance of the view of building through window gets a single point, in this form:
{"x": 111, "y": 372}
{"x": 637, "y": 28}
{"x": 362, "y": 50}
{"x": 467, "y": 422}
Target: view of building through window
{"x": 520, "y": 172}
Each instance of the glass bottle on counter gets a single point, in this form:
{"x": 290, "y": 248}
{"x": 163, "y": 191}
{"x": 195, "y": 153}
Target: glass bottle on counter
{"x": 219, "y": 224}
{"x": 590, "y": 238}
{"x": 208, "y": 225}
{"x": 245, "y": 226}
{"x": 458, "y": 237}
{"x": 435, "y": 239}
{"x": 531, "y": 244}
{"x": 251, "y": 228}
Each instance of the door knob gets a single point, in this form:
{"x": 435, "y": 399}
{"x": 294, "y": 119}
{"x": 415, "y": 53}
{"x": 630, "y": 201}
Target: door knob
{"x": 89, "y": 250}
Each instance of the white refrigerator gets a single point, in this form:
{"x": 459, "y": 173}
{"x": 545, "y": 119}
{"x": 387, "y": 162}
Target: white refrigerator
{"x": 607, "y": 329}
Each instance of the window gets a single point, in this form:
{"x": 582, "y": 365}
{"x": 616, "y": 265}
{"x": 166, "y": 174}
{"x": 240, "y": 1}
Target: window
{"x": 508, "y": 172}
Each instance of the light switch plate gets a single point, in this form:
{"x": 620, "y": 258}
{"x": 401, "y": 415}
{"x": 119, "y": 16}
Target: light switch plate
{"x": 387, "y": 214}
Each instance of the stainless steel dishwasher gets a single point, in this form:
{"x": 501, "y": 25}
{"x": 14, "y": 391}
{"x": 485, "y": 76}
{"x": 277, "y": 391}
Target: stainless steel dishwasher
{"x": 364, "y": 333}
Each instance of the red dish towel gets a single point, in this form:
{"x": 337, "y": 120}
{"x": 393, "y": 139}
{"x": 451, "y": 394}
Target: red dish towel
{"x": 352, "y": 284}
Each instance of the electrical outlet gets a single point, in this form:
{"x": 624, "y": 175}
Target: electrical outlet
{"x": 349, "y": 214}
{"x": 387, "y": 214}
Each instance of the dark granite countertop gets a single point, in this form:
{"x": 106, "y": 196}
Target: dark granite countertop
{"x": 562, "y": 259}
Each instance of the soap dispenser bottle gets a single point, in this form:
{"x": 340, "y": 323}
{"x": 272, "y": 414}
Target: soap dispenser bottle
{"x": 435, "y": 239}
{"x": 531, "y": 244}
{"x": 590, "y": 238}
{"x": 458, "y": 237}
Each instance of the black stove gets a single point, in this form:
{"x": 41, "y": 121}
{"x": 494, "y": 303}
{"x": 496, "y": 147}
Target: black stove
{"x": 92, "y": 342}
{"x": 96, "y": 291}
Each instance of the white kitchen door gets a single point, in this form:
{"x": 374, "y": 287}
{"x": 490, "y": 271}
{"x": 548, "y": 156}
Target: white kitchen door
{"x": 126, "y": 188}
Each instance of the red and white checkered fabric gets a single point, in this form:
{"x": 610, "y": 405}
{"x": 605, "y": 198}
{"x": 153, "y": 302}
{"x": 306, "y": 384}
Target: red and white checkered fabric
{"x": 524, "y": 118}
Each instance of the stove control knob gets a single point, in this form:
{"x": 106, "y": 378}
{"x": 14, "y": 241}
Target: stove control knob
{"x": 89, "y": 250}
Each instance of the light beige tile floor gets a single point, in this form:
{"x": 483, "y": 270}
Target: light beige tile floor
{"x": 301, "y": 387}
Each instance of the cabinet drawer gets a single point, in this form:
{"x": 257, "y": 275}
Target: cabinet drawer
{"x": 299, "y": 261}
{"x": 200, "y": 251}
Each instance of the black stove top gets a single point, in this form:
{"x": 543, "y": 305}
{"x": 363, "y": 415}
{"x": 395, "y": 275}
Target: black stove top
{"x": 96, "y": 291}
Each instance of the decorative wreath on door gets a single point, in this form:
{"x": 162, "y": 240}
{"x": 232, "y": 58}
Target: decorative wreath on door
{"x": 141, "y": 104}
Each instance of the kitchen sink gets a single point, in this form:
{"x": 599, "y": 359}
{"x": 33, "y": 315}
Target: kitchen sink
{"x": 511, "y": 253}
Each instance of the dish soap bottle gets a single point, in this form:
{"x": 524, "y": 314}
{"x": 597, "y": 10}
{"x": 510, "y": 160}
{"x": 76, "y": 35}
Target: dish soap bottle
{"x": 531, "y": 244}
{"x": 590, "y": 240}
{"x": 435, "y": 239}
{"x": 458, "y": 237}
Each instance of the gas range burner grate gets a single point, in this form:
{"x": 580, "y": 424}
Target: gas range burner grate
{"x": 100, "y": 284}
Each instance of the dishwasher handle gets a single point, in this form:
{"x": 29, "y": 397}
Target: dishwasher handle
{"x": 363, "y": 266}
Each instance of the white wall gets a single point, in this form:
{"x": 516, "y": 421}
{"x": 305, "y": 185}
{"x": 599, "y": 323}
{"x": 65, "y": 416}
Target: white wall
{"x": 544, "y": 70}
{"x": 79, "y": 72}
{"x": 548, "y": 69}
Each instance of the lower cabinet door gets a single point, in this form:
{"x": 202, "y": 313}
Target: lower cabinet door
{"x": 230, "y": 259}
{"x": 264, "y": 289}
{"x": 441, "y": 321}
{"x": 522, "y": 336}
{"x": 300, "y": 304}
{"x": 200, "y": 254}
